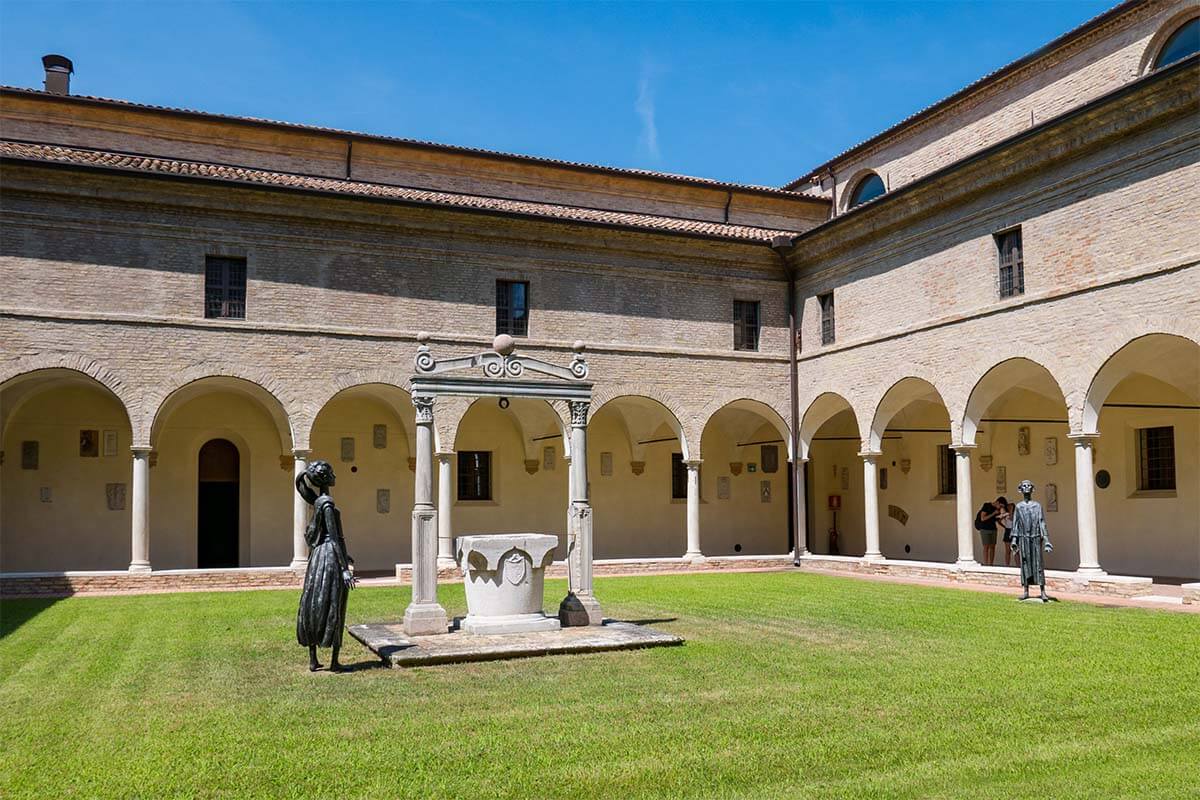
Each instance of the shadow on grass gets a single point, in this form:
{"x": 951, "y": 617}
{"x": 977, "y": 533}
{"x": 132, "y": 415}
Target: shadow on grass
{"x": 15, "y": 613}
{"x": 644, "y": 622}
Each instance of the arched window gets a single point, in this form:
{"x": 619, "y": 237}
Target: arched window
{"x": 868, "y": 188}
{"x": 1179, "y": 45}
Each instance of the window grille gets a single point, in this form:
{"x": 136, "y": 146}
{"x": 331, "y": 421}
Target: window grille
{"x": 224, "y": 288}
{"x": 512, "y": 307}
{"x": 947, "y": 475}
{"x": 678, "y": 477}
{"x": 827, "y": 324}
{"x": 1156, "y": 458}
{"x": 474, "y": 475}
{"x": 745, "y": 324}
{"x": 1012, "y": 267}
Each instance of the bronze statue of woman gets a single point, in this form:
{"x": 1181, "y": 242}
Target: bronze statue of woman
{"x": 329, "y": 579}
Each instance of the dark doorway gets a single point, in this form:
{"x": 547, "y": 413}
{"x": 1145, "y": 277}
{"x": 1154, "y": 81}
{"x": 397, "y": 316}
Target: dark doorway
{"x": 217, "y": 517}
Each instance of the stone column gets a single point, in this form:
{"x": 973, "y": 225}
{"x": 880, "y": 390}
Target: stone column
{"x": 580, "y": 606}
{"x": 800, "y": 513}
{"x": 445, "y": 552}
{"x": 140, "y": 523}
{"x": 693, "y": 512}
{"x": 424, "y": 616}
{"x": 300, "y": 512}
{"x": 1085, "y": 505}
{"x": 871, "y": 504}
{"x": 965, "y": 506}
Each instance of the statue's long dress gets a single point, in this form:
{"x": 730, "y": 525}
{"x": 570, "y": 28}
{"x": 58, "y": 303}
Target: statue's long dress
{"x": 1027, "y": 533}
{"x": 322, "y": 613}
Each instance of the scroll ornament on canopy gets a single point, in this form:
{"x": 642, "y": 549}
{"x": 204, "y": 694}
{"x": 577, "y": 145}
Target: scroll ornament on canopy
{"x": 500, "y": 362}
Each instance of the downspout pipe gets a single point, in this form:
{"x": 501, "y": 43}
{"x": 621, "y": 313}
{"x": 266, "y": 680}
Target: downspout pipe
{"x": 783, "y": 246}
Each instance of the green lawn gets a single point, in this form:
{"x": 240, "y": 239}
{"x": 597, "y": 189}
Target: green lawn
{"x": 790, "y": 685}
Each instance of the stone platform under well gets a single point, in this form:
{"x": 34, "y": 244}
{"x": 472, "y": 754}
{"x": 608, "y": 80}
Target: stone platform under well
{"x": 389, "y": 642}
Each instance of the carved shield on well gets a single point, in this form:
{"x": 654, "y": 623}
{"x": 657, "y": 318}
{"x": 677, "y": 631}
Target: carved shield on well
{"x": 516, "y": 568}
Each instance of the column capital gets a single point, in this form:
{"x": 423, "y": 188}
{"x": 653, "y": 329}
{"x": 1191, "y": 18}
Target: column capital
{"x": 424, "y": 406}
{"x": 1083, "y": 439}
{"x": 693, "y": 463}
{"x": 141, "y": 452}
{"x": 870, "y": 455}
{"x": 301, "y": 453}
{"x": 444, "y": 455}
{"x": 963, "y": 449}
{"x": 579, "y": 412}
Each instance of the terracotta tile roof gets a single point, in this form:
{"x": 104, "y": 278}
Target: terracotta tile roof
{"x": 969, "y": 89}
{"x": 477, "y": 151}
{"x": 126, "y": 162}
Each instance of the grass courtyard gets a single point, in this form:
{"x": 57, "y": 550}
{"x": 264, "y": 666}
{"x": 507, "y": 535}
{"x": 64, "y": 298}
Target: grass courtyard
{"x": 790, "y": 685}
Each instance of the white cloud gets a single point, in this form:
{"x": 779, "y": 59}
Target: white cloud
{"x": 644, "y": 106}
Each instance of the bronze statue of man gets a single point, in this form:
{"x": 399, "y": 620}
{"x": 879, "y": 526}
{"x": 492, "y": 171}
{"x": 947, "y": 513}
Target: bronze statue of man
{"x": 1029, "y": 540}
{"x": 329, "y": 579}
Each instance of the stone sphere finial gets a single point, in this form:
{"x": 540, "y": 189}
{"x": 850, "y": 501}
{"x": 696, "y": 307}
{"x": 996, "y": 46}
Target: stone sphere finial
{"x": 579, "y": 346}
{"x": 423, "y": 337}
{"x": 504, "y": 344}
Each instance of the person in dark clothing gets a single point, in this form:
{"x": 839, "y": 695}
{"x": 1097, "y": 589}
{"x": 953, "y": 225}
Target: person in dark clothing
{"x": 985, "y": 523}
{"x": 329, "y": 578}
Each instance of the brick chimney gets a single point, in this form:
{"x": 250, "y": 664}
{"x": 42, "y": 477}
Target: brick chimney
{"x": 58, "y": 73}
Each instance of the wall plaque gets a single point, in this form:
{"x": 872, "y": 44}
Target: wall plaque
{"x": 29, "y": 455}
{"x": 637, "y": 467}
{"x": 548, "y": 458}
{"x": 883, "y": 477}
{"x": 110, "y": 443}
{"x": 985, "y": 463}
{"x": 379, "y": 436}
{"x": 735, "y": 467}
{"x": 115, "y": 494}
{"x": 1001, "y": 479}
{"x": 723, "y": 487}
{"x": 347, "y": 448}
{"x": 845, "y": 478}
{"x": 89, "y": 443}
{"x": 1051, "y": 450}
{"x": 44, "y": 494}
{"x": 1023, "y": 441}
{"x": 1051, "y": 497}
{"x": 769, "y": 457}
{"x": 764, "y": 491}
{"x": 899, "y": 514}
{"x": 383, "y": 501}
{"x": 606, "y": 464}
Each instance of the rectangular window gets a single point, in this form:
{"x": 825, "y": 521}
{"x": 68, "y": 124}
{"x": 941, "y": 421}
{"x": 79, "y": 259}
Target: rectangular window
{"x": 827, "y": 329}
{"x": 512, "y": 308}
{"x": 745, "y": 324}
{"x": 947, "y": 474}
{"x": 1156, "y": 459}
{"x": 678, "y": 477}
{"x": 224, "y": 288}
{"x": 474, "y": 475}
{"x": 1012, "y": 268}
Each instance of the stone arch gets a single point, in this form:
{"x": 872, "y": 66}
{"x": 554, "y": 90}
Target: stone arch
{"x": 899, "y": 394}
{"x": 763, "y": 409}
{"x": 823, "y": 408}
{"x": 852, "y": 184}
{"x": 1132, "y": 357}
{"x": 14, "y": 372}
{"x": 1165, "y": 31}
{"x": 380, "y": 386}
{"x": 284, "y": 409}
{"x": 523, "y": 417}
{"x": 999, "y": 378}
{"x": 669, "y": 410}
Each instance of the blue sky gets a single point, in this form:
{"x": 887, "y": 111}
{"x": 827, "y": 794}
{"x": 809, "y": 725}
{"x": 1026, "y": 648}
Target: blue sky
{"x": 755, "y": 93}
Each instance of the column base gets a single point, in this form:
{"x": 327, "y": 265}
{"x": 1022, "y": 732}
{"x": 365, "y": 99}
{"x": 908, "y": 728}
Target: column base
{"x": 873, "y": 557}
{"x": 446, "y": 563}
{"x": 426, "y": 619}
{"x": 299, "y": 564}
{"x": 1091, "y": 572}
{"x": 139, "y": 566}
{"x": 694, "y": 556}
{"x": 579, "y": 610}
{"x": 966, "y": 563}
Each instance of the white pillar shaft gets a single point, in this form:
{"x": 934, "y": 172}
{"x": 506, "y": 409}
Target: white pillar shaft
{"x": 445, "y": 554}
{"x": 965, "y": 507}
{"x": 693, "y": 510}
{"x": 140, "y": 523}
{"x": 578, "y": 467}
{"x": 424, "y": 616}
{"x": 871, "y": 505}
{"x": 800, "y": 526}
{"x": 300, "y": 511}
{"x": 1085, "y": 507}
